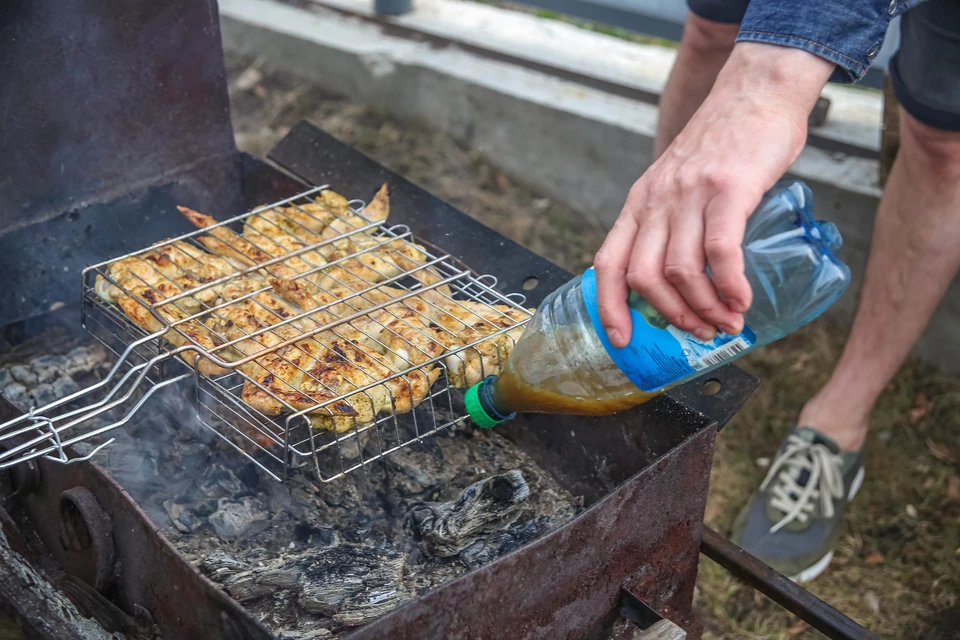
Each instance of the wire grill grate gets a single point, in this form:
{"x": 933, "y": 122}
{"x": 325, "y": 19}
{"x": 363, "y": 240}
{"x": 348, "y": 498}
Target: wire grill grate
{"x": 317, "y": 336}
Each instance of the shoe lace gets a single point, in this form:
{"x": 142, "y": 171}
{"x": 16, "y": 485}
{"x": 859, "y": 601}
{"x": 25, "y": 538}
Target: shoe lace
{"x": 825, "y": 481}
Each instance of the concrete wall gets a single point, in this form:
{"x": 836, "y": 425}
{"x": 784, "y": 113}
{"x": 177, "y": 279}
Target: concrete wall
{"x": 573, "y": 143}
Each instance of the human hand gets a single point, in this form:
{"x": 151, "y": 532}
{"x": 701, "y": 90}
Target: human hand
{"x": 688, "y": 211}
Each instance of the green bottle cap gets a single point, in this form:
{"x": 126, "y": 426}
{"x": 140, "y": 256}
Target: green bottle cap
{"x": 475, "y": 407}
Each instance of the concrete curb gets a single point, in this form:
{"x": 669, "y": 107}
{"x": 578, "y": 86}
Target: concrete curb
{"x": 573, "y": 143}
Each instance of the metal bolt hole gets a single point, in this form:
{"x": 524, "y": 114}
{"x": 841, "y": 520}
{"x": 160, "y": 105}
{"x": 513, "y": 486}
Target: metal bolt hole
{"x": 711, "y": 387}
{"x": 531, "y": 283}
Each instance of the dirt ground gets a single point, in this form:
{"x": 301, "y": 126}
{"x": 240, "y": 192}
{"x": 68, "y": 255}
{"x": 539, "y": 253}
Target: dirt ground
{"x": 897, "y": 566}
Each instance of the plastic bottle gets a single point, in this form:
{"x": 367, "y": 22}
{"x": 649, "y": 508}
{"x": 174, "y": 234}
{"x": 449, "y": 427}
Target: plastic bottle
{"x": 564, "y": 362}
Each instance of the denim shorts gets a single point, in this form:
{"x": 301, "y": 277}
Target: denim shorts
{"x": 925, "y": 70}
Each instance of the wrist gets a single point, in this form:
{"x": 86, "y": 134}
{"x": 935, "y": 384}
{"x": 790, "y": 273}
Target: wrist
{"x": 786, "y": 78}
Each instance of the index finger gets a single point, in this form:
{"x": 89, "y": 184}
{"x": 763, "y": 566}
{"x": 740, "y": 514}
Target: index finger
{"x": 726, "y": 221}
{"x": 611, "y": 264}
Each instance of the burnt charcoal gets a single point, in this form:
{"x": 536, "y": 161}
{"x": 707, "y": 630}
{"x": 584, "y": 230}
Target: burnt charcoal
{"x": 221, "y": 563}
{"x": 360, "y": 529}
{"x": 495, "y": 545}
{"x": 484, "y": 507}
{"x": 313, "y": 536}
{"x": 24, "y": 375}
{"x": 5, "y": 378}
{"x": 48, "y": 368}
{"x": 249, "y": 475}
{"x": 233, "y": 519}
{"x": 17, "y": 394}
{"x": 61, "y": 387}
{"x": 315, "y": 634}
{"x": 181, "y": 517}
{"x": 85, "y": 358}
{"x": 353, "y": 584}
{"x": 348, "y": 497}
{"x": 220, "y": 482}
{"x": 246, "y": 586}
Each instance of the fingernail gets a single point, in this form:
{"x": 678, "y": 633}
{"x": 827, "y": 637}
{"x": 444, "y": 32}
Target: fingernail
{"x": 730, "y": 329}
{"x": 703, "y": 334}
{"x": 614, "y": 336}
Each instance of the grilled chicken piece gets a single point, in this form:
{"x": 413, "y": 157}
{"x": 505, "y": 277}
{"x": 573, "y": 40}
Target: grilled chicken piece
{"x": 331, "y": 216}
{"x": 309, "y": 363}
{"x": 225, "y": 242}
{"x": 284, "y": 244}
{"x": 339, "y": 302}
{"x": 362, "y": 272}
{"x": 237, "y": 250}
{"x": 479, "y": 320}
{"x": 330, "y": 209}
{"x": 140, "y": 313}
{"x": 241, "y": 252}
{"x": 397, "y": 337}
{"x": 396, "y": 331}
{"x": 204, "y": 267}
{"x": 282, "y": 379}
{"x": 151, "y": 270}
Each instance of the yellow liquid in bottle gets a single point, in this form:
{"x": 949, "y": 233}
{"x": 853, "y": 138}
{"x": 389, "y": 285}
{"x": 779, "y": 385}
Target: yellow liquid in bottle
{"x": 535, "y": 380}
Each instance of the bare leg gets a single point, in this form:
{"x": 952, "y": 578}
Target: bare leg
{"x": 914, "y": 256}
{"x": 703, "y": 51}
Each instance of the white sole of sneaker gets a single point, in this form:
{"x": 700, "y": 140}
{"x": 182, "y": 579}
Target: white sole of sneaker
{"x": 821, "y": 565}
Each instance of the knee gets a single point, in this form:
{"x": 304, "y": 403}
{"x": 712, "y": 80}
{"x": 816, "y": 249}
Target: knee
{"x": 933, "y": 152}
{"x": 706, "y": 39}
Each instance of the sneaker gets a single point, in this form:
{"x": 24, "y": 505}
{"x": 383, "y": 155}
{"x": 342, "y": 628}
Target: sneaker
{"x": 792, "y": 522}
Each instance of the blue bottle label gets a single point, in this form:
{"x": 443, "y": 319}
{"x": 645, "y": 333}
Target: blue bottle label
{"x": 660, "y": 354}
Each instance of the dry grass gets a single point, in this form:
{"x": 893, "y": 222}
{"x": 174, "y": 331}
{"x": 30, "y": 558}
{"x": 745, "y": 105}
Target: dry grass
{"x": 897, "y": 568}
{"x": 898, "y": 561}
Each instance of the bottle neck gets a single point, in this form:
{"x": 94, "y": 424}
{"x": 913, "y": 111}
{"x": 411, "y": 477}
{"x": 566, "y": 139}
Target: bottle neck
{"x": 481, "y": 407}
{"x": 488, "y": 401}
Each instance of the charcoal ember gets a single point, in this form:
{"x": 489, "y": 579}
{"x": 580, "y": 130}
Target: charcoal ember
{"x": 220, "y": 482}
{"x": 314, "y": 536}
{"x": 219, "y": 563}
{"x": 57, "y": 388}
{"x": 24, "y": 375}
{"x": 488, "y": 549}
{"x": 49, "y": 368}
{"x": 85, "y": 358}
{"x": 260, "y": 581}
{"x": 484, "y": 507}
{"x": 234, "y": 518}
{"x": 247, "y": 586}
{"x": 315, "y": 634}
{"x": 182, "y": 517}
{"x": 5, "y": 378}
{"x": 17, "y": 394}
{"x": 351, "y": 583}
